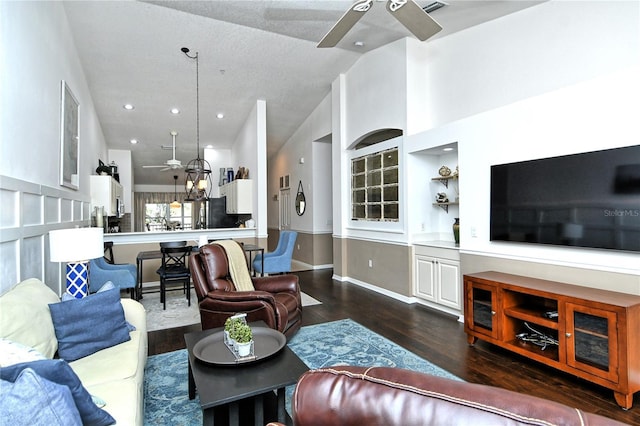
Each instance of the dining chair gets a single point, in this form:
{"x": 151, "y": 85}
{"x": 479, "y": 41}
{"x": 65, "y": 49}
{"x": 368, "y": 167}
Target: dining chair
{"x": 173, "y": 270}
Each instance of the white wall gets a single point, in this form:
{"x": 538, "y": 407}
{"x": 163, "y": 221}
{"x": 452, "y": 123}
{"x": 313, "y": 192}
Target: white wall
{"x": 524, "y": 54}
{"x": 376, "y": 91}
{"x": 315, "y": 173}
{"x": 217, "y": 159}
{"x": 566, "y": 121}
{"x": 37, "y": 52}
{"x": 249, "y": 150}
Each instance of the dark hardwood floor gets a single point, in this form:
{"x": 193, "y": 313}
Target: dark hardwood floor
{"x": 438, "y": 338}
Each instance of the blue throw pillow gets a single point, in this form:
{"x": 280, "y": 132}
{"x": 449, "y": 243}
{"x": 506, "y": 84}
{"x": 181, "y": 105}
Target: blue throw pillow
{"x": 85, "y": 326}
{"x": 58, "y": 371}
{"x": 35, "y": 401}
{"x": 106, "y": 286}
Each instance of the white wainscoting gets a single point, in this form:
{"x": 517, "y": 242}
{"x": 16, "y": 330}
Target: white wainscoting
{"x": 28, "y": 212}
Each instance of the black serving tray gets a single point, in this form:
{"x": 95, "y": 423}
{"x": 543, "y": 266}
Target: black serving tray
{"x": 212, "y": 349}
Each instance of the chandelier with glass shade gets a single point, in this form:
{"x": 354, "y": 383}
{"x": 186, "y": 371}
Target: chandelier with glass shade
{"x": 198, "y": 184}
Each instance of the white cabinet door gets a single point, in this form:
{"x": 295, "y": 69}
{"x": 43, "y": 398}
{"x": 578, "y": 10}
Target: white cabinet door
{"x": 104, "y": 191}
{"x": 448, "y": 283}
{"x": 438, "y": 280}
{"x": 425, "y": 277}
{"x": 239, "y": 194}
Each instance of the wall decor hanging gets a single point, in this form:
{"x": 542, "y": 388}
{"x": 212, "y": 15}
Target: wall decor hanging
{"x": 69, "y": 138}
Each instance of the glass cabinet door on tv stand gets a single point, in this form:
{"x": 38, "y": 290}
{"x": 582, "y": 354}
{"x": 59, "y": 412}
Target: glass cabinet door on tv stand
{"x": 592, "y": 341}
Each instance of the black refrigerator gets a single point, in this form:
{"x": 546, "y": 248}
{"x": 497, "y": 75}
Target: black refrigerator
{"x": 217, "y": 216}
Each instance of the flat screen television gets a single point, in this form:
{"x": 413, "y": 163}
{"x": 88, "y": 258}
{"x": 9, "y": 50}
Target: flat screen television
{"x": 590, "y": 199}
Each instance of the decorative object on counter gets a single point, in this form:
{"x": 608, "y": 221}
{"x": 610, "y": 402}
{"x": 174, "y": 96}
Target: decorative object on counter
{"x": 76, "y": 246}
{"x": 102, "y": 169}
{"x": 243, "y": 173}
{"x": 223, "y": 176}
{"x": 456, "y": 230}
{"x": 198, "y": 184}
{"x": 301, "y": 202}
{"x": 441, "y": 197}
{"x": 250, "y": 223}
{"x": 230, "y": 175}
{"x": 444, "y": 171}
{"x": 98, "y": 217}
{"x": 456, "y": 174}
{"x": 113, "y": 168}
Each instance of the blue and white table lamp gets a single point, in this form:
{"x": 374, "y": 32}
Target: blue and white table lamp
{"x": 76, "y": 246}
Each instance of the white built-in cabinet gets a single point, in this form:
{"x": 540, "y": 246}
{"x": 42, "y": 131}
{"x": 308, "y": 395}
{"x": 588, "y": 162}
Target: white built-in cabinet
{"x": 239, "y": 195}
{"x": 437, "y": 277}
{"x": 105, "y": 192}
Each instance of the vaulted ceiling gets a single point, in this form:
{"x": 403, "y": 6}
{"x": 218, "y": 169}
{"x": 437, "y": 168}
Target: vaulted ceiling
{"x": 248, "y": 50}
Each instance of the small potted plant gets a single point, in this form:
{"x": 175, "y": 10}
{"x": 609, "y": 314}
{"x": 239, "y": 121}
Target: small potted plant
{"x": 229, "y": 324}
{"x": 242, "y": 335}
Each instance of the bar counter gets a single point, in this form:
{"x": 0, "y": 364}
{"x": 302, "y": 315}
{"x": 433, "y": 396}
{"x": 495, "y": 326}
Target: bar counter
{"x": 188, "y": 235}
{"x": 127, "y": 245}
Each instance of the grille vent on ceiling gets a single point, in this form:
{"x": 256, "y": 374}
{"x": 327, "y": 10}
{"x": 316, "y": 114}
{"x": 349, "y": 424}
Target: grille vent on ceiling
{"x": 434, "y": 6}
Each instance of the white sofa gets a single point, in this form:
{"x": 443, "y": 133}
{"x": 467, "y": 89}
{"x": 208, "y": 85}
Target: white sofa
{"x": 114, "y": 374}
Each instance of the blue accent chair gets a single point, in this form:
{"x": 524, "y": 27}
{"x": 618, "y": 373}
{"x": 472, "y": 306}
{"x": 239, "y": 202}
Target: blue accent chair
{"x": 278, "y": 261}
{"x": 121, "y": 275}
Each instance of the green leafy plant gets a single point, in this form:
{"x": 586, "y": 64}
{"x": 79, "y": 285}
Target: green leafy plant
{"x": 241, "y": 333}
{"x": 230, "y": 323}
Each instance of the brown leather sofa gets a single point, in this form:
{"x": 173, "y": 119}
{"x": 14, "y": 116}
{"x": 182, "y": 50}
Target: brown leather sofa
{"x": 276, "y": 299}
{"x": 386, "y": 396}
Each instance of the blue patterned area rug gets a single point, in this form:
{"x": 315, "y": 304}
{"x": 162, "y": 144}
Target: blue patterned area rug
{"x": 343, "y": 342}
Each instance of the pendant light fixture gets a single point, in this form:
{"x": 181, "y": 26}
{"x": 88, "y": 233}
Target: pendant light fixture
{"x": 175, "y": 204}
{"x": 198, "y": 184}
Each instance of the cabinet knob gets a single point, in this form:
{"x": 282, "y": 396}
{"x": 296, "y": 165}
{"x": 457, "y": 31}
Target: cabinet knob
{"x": 493, "y": 312}
{"x": 567, "y": 334}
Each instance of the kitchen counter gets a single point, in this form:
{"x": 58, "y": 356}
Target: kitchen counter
{"x": 181, "y": 235}
{"x": 438, "y": 244}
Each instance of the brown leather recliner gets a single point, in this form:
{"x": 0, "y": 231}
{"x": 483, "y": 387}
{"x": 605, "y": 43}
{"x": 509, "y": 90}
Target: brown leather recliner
{"x": 345, "y": 396}
{"x": 276, "y": 299}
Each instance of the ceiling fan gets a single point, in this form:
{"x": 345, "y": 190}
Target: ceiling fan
{"x": 171, "y": 164}
{"x": 407, "y": 12}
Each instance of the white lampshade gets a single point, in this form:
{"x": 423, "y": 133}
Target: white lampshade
{"x": 75, "y": 244}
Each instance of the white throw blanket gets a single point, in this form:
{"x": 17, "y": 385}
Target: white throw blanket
{"x": 237, "y": 265}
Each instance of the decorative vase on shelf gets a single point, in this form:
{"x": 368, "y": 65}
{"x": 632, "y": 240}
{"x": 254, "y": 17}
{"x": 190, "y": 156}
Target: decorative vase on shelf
{"x": 223, "y": 176}
{"x": 456, "y": 230}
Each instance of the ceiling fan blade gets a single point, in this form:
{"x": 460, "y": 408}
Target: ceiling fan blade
{"x": 345, "y": 23}
{"x": 416, "y": 20}
{"x": 153, "y": 167}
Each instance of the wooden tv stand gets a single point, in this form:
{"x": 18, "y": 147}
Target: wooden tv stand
{"x": 593, "y": 334}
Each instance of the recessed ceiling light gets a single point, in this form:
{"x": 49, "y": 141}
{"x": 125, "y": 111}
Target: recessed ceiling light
{"x": 359, "y": 44}
{"x": 220, "y": 115}
{"x": 175, "y": 111}
{"x": 128, "y": 107}
{"x": 134, "y": 141}
{"x": 448, "y": 149}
